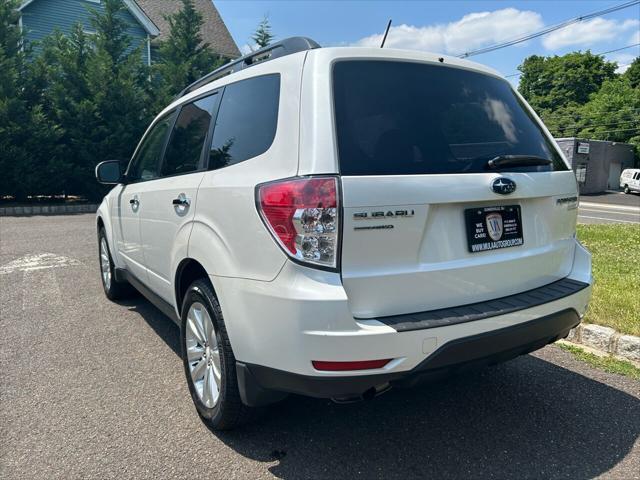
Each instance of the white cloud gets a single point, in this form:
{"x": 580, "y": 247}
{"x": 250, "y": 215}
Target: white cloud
{"x": 247, "y": 48}
{"x": 472, "y": 31}
{"x": 635, "y": 37}
{"x": 624, "y": 60}
{"x": 622, "y": 68}
{"x": 587, "y": 33}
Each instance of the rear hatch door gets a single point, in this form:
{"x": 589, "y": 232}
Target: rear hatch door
{"x": 428, "y": 224}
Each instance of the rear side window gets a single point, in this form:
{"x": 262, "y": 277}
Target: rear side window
{"x": 146, "y": 163}
{"x": 402, "y": 118}
{"x": 184, "y": 150}
{"x": 246, "y": 122}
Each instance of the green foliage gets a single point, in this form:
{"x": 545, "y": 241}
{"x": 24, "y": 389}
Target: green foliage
{"x": 184, "y": 57}
{"x": 27, "y": 137}
{"x": 11, "y": 41}
{"x": 85, "y": 97}
{"x": 612, "y": 113}
{"x": 550, "y": 83}
{"x": 97, "y": 93}
{"x": 633, "y": 73}
{"x": 607, "y": 363}
{"x": 616, "y": 253}
{"x": 579, "y": 94}
{"x": 263, "y": 36}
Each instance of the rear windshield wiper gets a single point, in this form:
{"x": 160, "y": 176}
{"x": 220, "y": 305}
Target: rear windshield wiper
{"x": 517, "y": 161}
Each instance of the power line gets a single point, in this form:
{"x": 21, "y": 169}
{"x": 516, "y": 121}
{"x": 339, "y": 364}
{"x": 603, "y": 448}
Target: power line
{"x": 596, "y": 54}
{"x": 564, "y": 129}
{"x": 573, "y": 123}
{"x": 634, "y": 130}
{"x": 596, "y": 125}
{"x": 600, "y": 135}
{"x": 618, "y": 49}
{"x": 549, "y": 29}
{"x": 571, "y": 118}
{"x": 624, "y": 64}
{"x": 599, "y": 112}
{"x": 575, "y": 120}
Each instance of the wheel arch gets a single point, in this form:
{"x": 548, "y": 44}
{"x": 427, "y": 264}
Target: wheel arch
{"x": 188, "y": 271}
{"x": 103, "y": 220}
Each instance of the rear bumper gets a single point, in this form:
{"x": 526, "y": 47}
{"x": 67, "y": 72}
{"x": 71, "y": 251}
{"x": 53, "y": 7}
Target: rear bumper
{"x": 279, "y": 328}
{"x": 258, "y": 383}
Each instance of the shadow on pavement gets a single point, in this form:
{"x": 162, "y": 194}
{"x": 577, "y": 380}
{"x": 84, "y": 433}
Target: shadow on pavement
{"x": 524, "y": 419}
{"x": 160, "y": 323}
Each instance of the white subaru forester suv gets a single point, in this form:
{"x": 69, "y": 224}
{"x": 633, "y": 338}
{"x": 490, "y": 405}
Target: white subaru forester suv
{"x": 335, "y": 221}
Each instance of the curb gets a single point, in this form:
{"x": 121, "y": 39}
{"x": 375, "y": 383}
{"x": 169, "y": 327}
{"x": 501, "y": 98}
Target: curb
{"x": 47, "y": 210}
{"x": 606, "y": 340}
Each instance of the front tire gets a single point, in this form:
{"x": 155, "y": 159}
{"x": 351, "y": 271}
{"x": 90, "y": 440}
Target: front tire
{"x": 209, "y": 363}
{"x": 113, "y": 289}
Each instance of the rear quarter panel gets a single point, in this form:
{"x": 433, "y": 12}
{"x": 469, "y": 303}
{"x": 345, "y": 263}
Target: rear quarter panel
{"x": 229, "y": 238}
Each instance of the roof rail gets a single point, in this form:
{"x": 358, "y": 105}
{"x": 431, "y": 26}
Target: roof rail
{"x": 278, "y": 49}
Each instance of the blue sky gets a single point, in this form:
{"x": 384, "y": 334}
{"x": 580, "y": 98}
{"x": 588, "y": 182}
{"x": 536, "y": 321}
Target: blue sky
{"x": 451, "y": 27}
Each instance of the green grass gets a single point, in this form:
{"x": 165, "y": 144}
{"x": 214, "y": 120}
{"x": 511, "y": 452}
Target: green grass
{"x": 608, "y": 363}
{"x": 616, "y": 268}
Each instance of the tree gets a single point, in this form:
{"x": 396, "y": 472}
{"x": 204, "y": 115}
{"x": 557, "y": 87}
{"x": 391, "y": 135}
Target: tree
{"x": 28, "y": 152}
{"x": 633, "y": 73}
{"x": 184, "y": 57}
{"x": 97, "y": 93}
{"x": 613, "y": 113}
{"x": 551, "y": 83}
{"x": 263, "y": 36}
{"x": 86, "y": 97}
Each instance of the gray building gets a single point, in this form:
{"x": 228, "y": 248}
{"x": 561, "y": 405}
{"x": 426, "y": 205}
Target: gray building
{"x": 598, "y": 164}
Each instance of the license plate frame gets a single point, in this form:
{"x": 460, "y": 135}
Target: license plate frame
{"x": 493, "y": 228}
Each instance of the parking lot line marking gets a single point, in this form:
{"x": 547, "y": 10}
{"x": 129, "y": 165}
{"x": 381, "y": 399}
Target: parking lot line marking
{"x": 608, "y": 206}
{"x": 40, "y": 261}
{"x": 610, "y": 212}
{"x": 612, "y": 220}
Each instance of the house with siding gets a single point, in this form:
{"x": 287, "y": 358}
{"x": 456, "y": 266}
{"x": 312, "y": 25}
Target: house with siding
{"x": 147, "y": 25}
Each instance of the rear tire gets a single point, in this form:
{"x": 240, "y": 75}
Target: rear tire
{"x": 627, "y": 189}
{"x": 113, "y": 289}
{"x": 207, "y": 357}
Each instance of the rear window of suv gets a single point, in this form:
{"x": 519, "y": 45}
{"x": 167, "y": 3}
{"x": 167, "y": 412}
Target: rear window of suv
{"x": 247, "y": 120}
{"x": 403, "y": 118}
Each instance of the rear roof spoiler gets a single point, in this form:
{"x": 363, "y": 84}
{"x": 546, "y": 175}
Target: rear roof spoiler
{"x": 270, "y": 52}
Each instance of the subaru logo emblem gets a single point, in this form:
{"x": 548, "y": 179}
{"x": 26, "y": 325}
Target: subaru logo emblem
{"x": 503, "y": 186}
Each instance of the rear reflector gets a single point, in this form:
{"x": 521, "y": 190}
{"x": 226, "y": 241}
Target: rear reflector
{"x": 342, "y": 366}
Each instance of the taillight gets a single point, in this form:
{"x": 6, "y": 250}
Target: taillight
{"x": 302, "y": 215}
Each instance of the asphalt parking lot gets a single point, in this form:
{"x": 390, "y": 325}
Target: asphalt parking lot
{"x": 94, "y": 389}
{"x": 610, "y": 207}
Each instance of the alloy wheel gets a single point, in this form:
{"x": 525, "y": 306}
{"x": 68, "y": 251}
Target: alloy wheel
{"x": 105, "y": 264}
{"x": 203, "y": 355}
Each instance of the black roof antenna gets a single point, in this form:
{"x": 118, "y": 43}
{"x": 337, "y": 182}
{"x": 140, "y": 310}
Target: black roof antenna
{"x": 386, "y": 32}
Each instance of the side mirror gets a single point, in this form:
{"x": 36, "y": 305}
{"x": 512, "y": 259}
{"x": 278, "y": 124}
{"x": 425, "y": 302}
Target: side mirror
{"x": 109, "y": 172}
